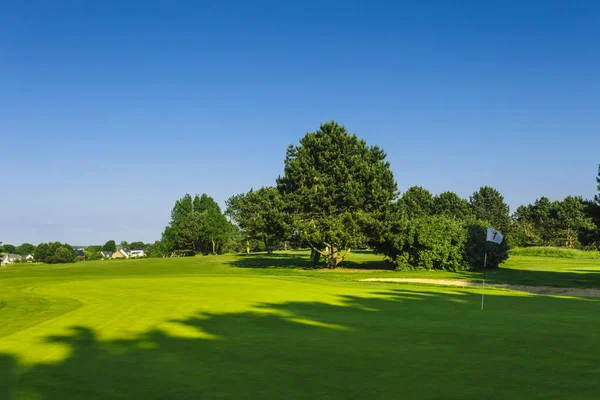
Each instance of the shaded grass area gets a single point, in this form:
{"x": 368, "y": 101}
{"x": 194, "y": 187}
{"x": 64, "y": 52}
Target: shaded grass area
{"x": 556, "y": 252}
{"x": 383, "y": 342}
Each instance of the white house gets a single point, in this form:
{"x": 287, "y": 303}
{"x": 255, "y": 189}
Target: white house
{"x": 137, "y": 253}
{"x": 10, "y": 258}
{"x": 106, "y": 254}
{"x": 30, "y": 258}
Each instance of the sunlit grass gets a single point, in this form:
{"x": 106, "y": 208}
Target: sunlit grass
{"x": 260, "y": 326}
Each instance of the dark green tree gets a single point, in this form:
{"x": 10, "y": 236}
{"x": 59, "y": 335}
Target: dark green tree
{"x": 487, "y": 205}
{"x": 571, "y": 220}
{"x": 418, "y": 202}
{"x": 9, "y": 248}
{"x": 197, "y": 225}
{"x": 214, "y": 227}
{"x": 25, "y": 249}
{"x": 261, "y": 215}
{"x": 449, "y": 204}
{"x": 54, "y": 252}
{"x": 64, "y": 254}
{"x": 110, "y": 246}
{"x": 42, "y": 253}
{"x": 334, "y": 185}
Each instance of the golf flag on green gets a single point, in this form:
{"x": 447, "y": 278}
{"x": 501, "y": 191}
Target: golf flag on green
{"x": 494, "y": 236}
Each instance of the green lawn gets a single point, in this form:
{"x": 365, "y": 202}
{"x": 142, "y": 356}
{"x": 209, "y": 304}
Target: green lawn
{"x": 262, "y": 327}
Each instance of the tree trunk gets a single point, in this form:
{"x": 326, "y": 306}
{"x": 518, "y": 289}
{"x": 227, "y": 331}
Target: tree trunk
{"x": 213, "y": 246}
{"x": 247, "y": 247}
{"x": 315, "y": 256}
{"x": 267, "y": 246}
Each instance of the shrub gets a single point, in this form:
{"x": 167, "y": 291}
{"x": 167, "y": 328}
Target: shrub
{"x": 476, "y": 247}
{"x": 438, "y": 242}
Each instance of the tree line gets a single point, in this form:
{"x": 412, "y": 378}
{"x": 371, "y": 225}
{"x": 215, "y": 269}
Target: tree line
{"x": 337, "y": 194}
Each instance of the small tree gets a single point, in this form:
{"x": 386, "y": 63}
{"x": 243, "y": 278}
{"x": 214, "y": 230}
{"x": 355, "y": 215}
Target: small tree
{"x": 110, "y": 246}
{"x": 25, "y": 249}
{"x": 261, "y": 215}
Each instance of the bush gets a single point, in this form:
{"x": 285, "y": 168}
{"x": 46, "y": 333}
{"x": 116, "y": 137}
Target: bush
{"x": 476, "y": 247}
{"x": 438, "y": 242}
{"x": 53, "y": 253}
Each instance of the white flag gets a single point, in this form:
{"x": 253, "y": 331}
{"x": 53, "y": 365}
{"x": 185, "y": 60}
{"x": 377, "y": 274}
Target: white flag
{"x": 494, "y": 236}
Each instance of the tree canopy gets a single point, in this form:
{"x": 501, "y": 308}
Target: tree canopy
{"x": 197, "y": 225}
{"x": 333, "y": 183}
{"x": 261, "y": 214}
{"x": 110, "y": 246}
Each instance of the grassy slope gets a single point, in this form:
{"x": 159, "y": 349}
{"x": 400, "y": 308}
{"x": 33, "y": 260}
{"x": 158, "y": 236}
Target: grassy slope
{"x": 256, "y": 327}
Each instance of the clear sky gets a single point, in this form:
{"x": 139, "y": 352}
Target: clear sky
{"x": 111, "y": 110}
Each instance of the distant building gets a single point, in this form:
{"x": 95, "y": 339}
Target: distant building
{"x": 10, "y": 259}
{"x": 106, "y": 254}
{"x": 137, "y": 252}
{"x": 79, "y": 253}
{"x": 126, "y": 253}
{"x": 120, "y": 253}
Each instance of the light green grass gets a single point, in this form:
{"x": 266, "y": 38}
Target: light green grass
{"x": 258, "y": 326}
{"x": 557, "y": 252}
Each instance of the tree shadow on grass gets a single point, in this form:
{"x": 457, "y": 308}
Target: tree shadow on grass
{"x": 395, "y": 343}
{"x": 295, "y": 260}
{"x": 580, "y": 279}
{"x": 275, "y": 260}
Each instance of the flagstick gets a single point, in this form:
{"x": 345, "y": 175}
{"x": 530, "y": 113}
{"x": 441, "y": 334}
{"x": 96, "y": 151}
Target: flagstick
{"x": 483, "y": 282}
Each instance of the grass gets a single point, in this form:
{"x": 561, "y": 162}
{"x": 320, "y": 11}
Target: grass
{"x": 557, "y": 252}
{"x": 258, "y": 326}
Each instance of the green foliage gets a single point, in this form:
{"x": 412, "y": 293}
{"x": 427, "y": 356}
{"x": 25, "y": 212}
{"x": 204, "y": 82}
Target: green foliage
{"x": 487, "y": 205}
{"x": 450, "y": 204}
{"x": 556, "y": 252}
{"x": 214, "y": 227}
{"x": 477, "y": 246}
{"x": 197, "y": 225}
{"x": 333, "y": 185}
{"x": 9, "y": 248}
{"x": 261, "y": 214}
{"x": 110, "y": 246}
{"x": 418, "y": 202}
{"x": 55, "y": 252}
{"x": 431, "y": 242}
{"x": 25, "y": 249}
{"x": 557, "y": 223}
{"x": 92, "y": 253}
{"x": 437, "y": 242}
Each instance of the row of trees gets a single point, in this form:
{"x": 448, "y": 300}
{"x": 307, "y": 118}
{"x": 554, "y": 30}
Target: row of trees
{"x": 337, "y": 193}
{"x": 25, "y": 249}
{"x": 568, "y": 223}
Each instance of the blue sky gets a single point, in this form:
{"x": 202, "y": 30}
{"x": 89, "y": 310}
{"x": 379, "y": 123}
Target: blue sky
{"x": 110, "y": 111}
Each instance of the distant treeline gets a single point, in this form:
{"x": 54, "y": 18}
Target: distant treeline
{"x": 337, "y": 194}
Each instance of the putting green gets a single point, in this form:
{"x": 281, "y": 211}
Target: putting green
{"x": 199, "y": 328}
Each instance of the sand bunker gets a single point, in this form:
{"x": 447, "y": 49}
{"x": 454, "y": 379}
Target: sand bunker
{"x": 544, "y": 290}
